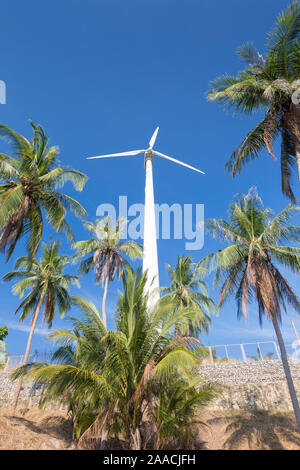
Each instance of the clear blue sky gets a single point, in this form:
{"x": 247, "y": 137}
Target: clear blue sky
{"x": 100, "y": 75}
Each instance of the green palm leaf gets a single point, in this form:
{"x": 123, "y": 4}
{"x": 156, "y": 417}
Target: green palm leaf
{"x": 28, "y": 190}
{"x": 267, "y": 84}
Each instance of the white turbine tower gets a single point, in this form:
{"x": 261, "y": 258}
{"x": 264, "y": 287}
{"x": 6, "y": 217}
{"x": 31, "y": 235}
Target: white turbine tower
{"x": 150, "y": 261}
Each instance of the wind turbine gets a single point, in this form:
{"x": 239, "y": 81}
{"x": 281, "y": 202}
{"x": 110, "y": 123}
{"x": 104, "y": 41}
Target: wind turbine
{"x": 150, "y": 261}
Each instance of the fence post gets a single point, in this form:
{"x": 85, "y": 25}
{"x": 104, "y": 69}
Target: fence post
{"x": 259, "y": 350}
{"x": 211, "y": 357}
{"x": 226, "y": 351}
{"x": 243, "y": 353}
{"x": 276, "y": 349}
{"x": 6, "y": 364}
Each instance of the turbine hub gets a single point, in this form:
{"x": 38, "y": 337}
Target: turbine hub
{"x": 148, "y": 155}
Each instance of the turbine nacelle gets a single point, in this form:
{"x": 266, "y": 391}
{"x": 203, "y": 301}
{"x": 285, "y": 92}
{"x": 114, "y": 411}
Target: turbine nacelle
{"x": 148, "y": 154}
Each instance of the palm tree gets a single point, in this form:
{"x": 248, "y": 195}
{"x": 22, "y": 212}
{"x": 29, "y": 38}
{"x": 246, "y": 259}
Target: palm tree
{"x": 3, "y": 345}
{"x": 29, "y": 183}
{"x": 267, "y": 83}
{"x": 3, "y": 332}
{"x": 105, "y": 253}
{"x": 176, "y": 413}
{"x": 112, "y": 380}
{"x": 247, "y": 267}
{"x": 49, "y": 288}
{"x": 187, "y": 289}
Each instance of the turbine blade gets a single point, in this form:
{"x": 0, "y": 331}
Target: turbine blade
{"x": 177, "y": 161}
{"x": 153, "y": 138}
{"x": 122, "y": 154}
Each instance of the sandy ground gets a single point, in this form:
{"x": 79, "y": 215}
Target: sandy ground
{"x": 255, "y": 430}
{"x": 36, "y": 429}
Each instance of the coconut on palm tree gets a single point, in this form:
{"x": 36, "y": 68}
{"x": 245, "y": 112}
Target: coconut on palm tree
{"x": 28, "y": 190}
{"x": 187, "y": 289}
{"x": 267, "y": 83}
{"x": 248, "y": 268}
{"x": 105, "y": 253}
{"x": 113, "y": 380}
{"x": 49, "y": 289}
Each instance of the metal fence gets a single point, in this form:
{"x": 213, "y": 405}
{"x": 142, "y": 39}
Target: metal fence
{"x": 247, "y": 352}
{"x": 12, "y": 362}
{"x": 215, "y": 354}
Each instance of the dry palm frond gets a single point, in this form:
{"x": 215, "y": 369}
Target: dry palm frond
{"x": 269, "y": 132}
{"x": 94, "y": 431}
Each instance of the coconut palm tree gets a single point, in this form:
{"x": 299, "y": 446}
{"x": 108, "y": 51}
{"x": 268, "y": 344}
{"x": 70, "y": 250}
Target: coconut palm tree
{"x": 49, "y": 288}
{"x": 3, "y": 345}
{"x": 28, "y": 190}
{"x": 247, "y": 268}
{"x": 267, "y": 83}
{"x": 105, "y": 253}
{"x": 3, "y": 332}
{"x": 113, "y": 379}
{"x": 187, "y": 289}
{"x": 176, "y": 413}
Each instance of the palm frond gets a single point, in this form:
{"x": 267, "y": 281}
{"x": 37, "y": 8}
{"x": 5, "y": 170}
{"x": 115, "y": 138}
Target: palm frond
{"x": 282, "y": 39}
{"x": 250, "y": 146}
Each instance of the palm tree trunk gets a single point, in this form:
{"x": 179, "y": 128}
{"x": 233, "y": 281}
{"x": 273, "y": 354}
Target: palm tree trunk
{"x": 292, "y": 122}
{"x": 33, "y": 325}
{"x": 287, "y": 372}
{"x": 104, "y": 432}
{"x": 297, "y": 149}
{"x": 104, "y": 302}
{"x": 104, "y": 436}
{"x": 135, "y": 439}
{"x": 105, "y": 427}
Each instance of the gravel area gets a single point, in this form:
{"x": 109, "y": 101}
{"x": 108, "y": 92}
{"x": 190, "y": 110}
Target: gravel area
{"x": 248, "y": 372}
{"x": 244, "y": 385}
